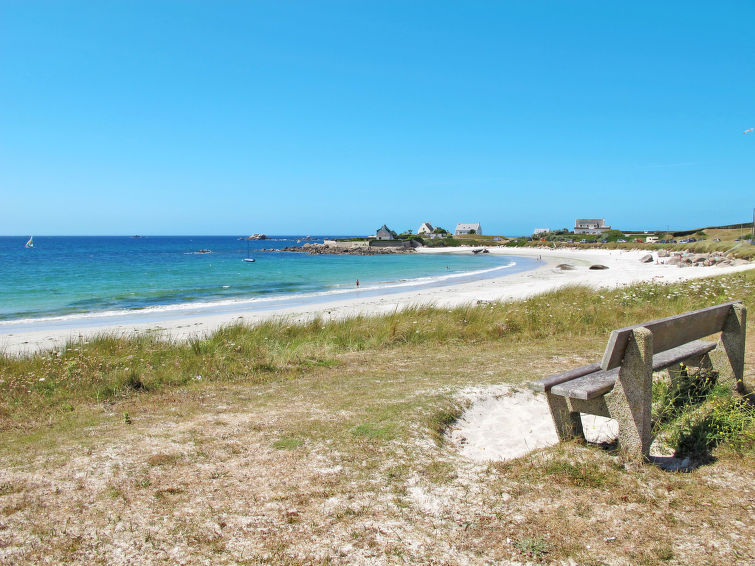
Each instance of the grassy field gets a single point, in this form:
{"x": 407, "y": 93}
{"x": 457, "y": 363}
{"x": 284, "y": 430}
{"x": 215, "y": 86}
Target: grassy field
{"x": 729, "y": 243}
{"x": 324, "y": 444}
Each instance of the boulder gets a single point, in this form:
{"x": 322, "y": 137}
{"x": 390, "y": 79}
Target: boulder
{"x": 564, "y": 267}
{"x": 598, "y": 266}
{"x": 674, "y": 260}
{"x": 663, "y": 253}
{"x": 700, "y": 258}
{"x": 647, "y": 258}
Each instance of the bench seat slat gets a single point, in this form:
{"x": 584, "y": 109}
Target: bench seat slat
{"x": 677, "y": 355}
{"x": 546, "y": 383}
{"x": 600, "y": 382}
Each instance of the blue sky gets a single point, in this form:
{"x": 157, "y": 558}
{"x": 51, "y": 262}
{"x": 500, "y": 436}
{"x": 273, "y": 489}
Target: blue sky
{"x": 181, "y": 117}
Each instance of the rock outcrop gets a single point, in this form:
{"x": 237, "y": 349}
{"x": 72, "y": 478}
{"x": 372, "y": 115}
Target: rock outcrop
{"x": 318, "y": 249}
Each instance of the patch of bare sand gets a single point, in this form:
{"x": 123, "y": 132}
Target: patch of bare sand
{"x": 504, "y": 422}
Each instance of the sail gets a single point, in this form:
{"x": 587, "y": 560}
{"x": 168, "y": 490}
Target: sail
{"x": 30, "y": 243}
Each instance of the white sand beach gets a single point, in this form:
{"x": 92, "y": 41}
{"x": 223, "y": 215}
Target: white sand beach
{"x": 624, "y": 267}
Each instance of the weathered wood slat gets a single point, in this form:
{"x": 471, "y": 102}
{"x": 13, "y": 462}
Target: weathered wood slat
{"x": 589, "y": 386}
{"x": 600, "y": 382}
{"x": 677, "y": 355}
{"x": 546, "y": 383}
{"x": 668, "y": 332}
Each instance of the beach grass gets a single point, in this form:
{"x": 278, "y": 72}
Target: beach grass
{"x": 107, "y": 368}
{"x": 324, "y": 443}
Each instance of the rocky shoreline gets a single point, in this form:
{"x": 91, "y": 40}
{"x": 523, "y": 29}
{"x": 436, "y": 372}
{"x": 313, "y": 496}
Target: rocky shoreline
{"x": 683, "y": 259}
{"x": 317, "y": 249}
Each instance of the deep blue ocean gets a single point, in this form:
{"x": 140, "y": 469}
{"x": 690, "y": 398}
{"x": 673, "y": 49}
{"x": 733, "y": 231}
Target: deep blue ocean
{"x": 64, "y": 276}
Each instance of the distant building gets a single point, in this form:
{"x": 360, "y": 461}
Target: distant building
{"x": 385, "y": 233}
{"x": 651, "y": 239}
{"x": 426, "y": 228}
{"x": 473, "y": 228}
{"x": 541, "y": 230}
{"x": 590, "y": 226}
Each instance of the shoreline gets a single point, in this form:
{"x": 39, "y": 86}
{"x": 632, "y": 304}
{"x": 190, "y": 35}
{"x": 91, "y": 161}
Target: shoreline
{"x": 624, "y": 267}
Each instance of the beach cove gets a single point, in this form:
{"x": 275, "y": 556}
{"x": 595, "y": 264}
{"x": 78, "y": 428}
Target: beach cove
{"x": 495, "y": 284}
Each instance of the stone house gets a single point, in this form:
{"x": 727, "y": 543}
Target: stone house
{"x": 590, "y": 226}
{"x": 385, "y": 233}
{"x": 472, "y": 228}
{"x": 425, "y": 228}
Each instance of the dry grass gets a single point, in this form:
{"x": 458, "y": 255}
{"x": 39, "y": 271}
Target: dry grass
{"x": 325, "y": 446}
{"x": 741, "y": 249}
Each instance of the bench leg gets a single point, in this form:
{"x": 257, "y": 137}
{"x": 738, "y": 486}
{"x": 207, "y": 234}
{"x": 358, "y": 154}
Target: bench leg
{"x": 630, "y": 401}
{"x": 568, "y": 424}
{"x": 701, "y": 362}
{"x": 733, "y": 338}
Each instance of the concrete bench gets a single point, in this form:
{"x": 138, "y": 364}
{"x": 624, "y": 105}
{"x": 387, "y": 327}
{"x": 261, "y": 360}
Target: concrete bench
{"x": 620, "y": 386}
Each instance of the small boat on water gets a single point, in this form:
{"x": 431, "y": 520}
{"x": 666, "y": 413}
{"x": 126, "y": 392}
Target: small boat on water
{"x": 30, "y": 243}
{"x": 247, "y": 258}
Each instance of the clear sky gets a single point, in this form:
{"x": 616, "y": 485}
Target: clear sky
{"x": 283, "y": 117}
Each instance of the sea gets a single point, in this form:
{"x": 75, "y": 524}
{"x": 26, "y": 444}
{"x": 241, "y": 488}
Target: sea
{"x": 84, "y": 280}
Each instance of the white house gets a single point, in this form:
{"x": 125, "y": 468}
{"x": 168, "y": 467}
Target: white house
{"x": 425, "y": 228}
{"x": 473, "y": 228}
{"x": 385, "y": 233}
{"x": 590, "y": 226}
{"x": 651, "y": 239}
{"x": 541, "y": 231}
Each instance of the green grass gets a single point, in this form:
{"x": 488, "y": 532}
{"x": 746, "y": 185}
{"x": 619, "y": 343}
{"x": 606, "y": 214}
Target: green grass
{"x": 580, "y": 474}
{"x": 533, "y": 547}
{"x": 725, "y": 420}
{"x": 441, "y": 419}
{"x": 374, "y": 431}
{"x": 741, "y": 250}
{"x": 695, "y": 414}
{"x": 288, "y": 443}
{"x": 324, "y": 442}
{"x": 108, "y": 369}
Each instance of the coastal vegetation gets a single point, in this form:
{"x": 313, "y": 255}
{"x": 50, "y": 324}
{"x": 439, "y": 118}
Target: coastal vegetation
{"x": 731, "y": 241}
{"x": 324, "y": 442}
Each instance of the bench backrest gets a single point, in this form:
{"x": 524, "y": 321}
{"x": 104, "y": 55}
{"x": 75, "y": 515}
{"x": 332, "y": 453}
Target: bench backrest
{"x": 669, "y": 332}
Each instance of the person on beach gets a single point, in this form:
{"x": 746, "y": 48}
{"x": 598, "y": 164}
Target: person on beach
{"x": 357, "y": 282}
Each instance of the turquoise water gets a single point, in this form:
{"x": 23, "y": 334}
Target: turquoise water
{"x": 93, "y": 276}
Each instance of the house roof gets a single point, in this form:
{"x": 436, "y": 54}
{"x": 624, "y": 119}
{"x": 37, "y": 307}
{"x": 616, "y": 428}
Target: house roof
{"x": 426, "y": 225}
{"x": 385, "y": 228}
{"x": 600, "y": 221}
{"x": 472, "y": 226}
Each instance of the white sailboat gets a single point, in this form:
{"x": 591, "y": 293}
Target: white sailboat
{"x": 30, "y": 243}
{"x": 247, "y": 258}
